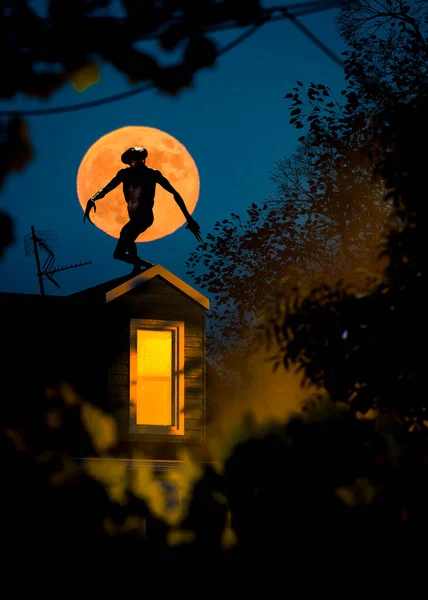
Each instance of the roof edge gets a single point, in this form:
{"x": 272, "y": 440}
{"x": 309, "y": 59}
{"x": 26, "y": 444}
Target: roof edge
{"x": 148, "y": 274}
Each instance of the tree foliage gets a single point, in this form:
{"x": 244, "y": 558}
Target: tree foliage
{"x": 366, "y": 349}
{"x": 289, "y": 499}
{"x": 67, "y": 41}
{"x": 45, "y": 51}
{"x": 328, "y": 217}
{"x": 326, "y": 221}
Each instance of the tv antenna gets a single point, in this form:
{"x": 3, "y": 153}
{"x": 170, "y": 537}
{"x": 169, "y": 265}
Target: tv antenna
{"x": 46, "y": 241}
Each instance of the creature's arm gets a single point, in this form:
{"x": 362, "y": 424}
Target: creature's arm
{"x": 117, "y": 179}
{"x": 163, "y": 181}
{"x": 109, "y": 187}
{"x": 191, "y": 223}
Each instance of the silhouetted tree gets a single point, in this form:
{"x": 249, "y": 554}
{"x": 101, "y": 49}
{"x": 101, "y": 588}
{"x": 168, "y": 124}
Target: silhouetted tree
{"x": 325, "y": 495}
{"x": 327, "y": 221}
{"x": 366, "y": 349}
{"x": 328, "y": 218}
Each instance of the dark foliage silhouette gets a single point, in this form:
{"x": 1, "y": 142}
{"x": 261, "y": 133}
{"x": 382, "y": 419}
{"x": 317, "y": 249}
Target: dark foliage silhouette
{"x": 45, "y": 52}
{"x": 367, "y": 347}
{"x": 6, "y": 232}
{"x": 327, "y": 219}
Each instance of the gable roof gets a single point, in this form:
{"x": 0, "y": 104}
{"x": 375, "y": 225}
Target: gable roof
{"x": 155, "y": 271}
{"x": 110, "y": 290}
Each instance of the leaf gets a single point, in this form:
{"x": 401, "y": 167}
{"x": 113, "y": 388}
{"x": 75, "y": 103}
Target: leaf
{"x": 16, "y": 149}
{"x": 200, "y": 52}
{"x": 100, "y": 426}
{"x": 7, "y": 236}
{"x": 85, "y": 77}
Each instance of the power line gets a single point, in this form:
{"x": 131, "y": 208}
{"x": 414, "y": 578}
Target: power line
{"x": 299, "y": 9}
{"x": 304, "y": 9}
{"x": 317, "y": 41}
{"x": 241, "y": 37}
{"x": 38, "y": 112}
{"x": 108, "y": 99}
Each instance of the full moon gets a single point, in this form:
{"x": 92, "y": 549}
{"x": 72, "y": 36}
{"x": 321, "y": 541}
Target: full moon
{"x": 166, "y": 154}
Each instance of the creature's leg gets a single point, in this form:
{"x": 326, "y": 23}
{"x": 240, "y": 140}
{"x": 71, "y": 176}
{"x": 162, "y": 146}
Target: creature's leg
{"x": 126, "y": 248}
{"x": 142, "y": 222}
{"x": 132, "y": 251}
{"x": 125, "y": 238}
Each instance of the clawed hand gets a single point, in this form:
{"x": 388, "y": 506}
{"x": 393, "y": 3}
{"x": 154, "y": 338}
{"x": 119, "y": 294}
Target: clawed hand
{"x": 90, "y": 204}
{"x": 194, "y": 228}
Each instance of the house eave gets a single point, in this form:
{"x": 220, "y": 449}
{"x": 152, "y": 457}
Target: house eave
{"x": 147, "y": 275}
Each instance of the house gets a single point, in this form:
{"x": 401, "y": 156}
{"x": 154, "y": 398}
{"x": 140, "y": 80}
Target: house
{"x": 135, "y": 346}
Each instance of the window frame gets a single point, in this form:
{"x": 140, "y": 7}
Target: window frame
{"x": 177, "y": 328}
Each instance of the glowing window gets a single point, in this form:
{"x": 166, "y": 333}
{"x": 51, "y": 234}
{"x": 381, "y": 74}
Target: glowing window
{"x": 156, "y": 377}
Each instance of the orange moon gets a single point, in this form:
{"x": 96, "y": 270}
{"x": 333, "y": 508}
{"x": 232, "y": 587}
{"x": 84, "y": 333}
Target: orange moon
{"x": 166, "y": 154}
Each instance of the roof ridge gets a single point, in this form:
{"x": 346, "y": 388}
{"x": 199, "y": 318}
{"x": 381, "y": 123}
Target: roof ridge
{"x": 157, "y": 270}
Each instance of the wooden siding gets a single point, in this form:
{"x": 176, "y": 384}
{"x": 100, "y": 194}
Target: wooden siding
{"x": 157, "y": 299}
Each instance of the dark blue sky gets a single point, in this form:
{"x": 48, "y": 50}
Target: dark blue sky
{"x": 234, "y": 122}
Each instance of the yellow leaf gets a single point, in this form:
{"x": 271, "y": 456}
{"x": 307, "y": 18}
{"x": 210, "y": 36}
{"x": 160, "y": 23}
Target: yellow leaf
{"x": 85, "y": 77}
{"x": 179, "y": 537}
{"x": 111, "y": 474}
{"x": 100, "y": 426}
{"x": 228, "y": 538}
{"x": 144, "y": 485}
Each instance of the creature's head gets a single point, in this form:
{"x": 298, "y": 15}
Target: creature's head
{"x": 134, "y": 155}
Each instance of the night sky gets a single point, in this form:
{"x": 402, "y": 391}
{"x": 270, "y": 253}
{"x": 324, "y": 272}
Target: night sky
{"x": 234, "y": 121}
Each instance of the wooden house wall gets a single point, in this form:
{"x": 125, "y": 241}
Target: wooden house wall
{"x": 157, "y": 299}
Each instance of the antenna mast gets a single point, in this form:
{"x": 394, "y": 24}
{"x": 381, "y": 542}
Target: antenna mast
{"x": 45, "y": 241}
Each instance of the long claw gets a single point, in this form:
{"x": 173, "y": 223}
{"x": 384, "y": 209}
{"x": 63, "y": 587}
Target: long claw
{"x": 196, "y": 230}
{"x": 90, "y": 205}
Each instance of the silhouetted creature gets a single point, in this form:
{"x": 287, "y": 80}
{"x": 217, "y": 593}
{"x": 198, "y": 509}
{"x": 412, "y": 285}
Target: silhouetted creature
{"x": 139, "y": 187}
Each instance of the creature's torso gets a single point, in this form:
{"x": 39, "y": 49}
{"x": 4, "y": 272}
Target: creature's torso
{"x": 139, "y": 186}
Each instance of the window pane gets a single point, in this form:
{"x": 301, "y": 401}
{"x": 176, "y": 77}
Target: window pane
{"x": 154, "y": 377}
{"x": 154, "y": 402}
{"x": 154, "y": 353}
